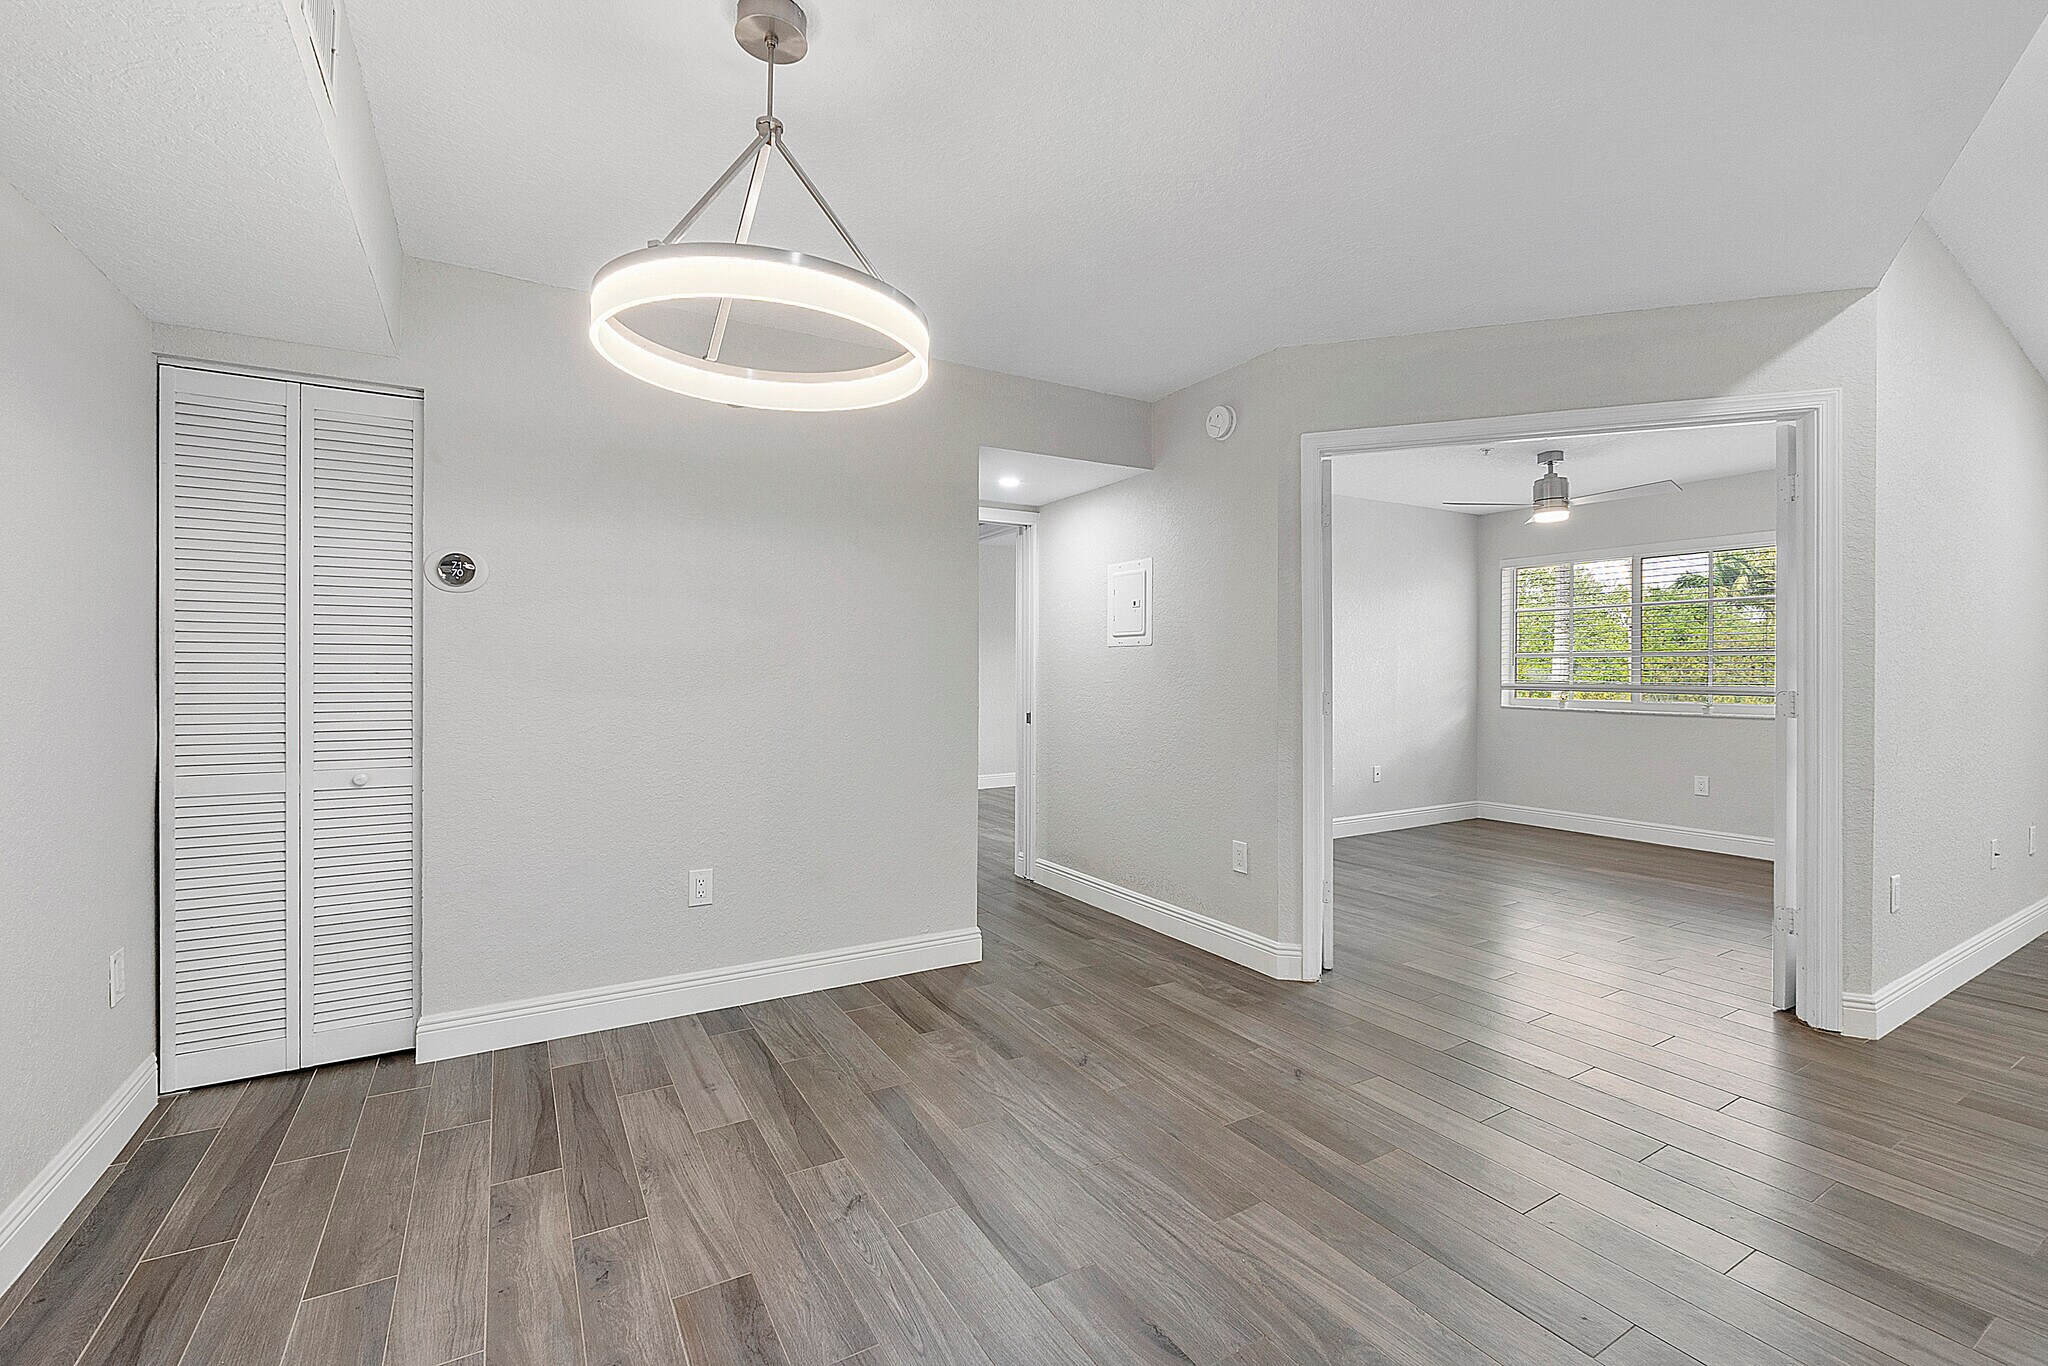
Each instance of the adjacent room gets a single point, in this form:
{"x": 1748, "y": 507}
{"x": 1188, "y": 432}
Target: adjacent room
{"x": 1555, "y": 698}
{"x": 869, "y": 682}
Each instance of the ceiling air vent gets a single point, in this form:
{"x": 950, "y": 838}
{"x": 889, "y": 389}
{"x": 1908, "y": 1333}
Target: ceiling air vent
{"x": 320, "y": 26}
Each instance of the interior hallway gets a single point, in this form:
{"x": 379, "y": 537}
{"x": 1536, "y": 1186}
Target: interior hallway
{"x": 1540, "y": 1113}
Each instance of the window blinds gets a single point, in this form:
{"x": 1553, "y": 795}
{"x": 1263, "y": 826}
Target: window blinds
{"x": 1691, "y": 630}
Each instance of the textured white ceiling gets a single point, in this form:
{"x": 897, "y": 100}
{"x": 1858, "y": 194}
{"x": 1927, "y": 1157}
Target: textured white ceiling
{"x": 1043, "y": 479}
{"x": 178, "y": 146}
{"x": 1432, "y": 476}
{"x": 1991, "y": 209}
{"x": 1133, "y": 196}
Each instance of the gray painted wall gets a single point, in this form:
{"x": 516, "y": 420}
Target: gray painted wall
{"x": 1962, "y": 642}
{"x": 77, "y": 689}
{"x": 1635, "y": 767}
{"x": 1404, "y": 597}
{"x": 999, "y": 656}
{"x": 1154, "y": 760}
{"x": 710, "y": 637}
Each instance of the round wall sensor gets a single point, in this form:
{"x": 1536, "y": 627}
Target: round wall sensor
{"x": 456, "y": 571}
{"x": 1222, "y": 421}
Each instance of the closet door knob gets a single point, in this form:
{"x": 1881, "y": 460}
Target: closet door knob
{"x": 360, "y": 780}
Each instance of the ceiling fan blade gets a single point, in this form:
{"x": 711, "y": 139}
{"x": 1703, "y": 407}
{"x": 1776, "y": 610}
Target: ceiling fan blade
{"x": 1486, "y": 505}
{"x": 1632, "y": 491}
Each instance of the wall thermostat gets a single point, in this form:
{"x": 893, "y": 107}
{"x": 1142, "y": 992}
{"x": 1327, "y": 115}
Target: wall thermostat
{"x": 455, "y": 570}
{"x": 1222, "y": 421}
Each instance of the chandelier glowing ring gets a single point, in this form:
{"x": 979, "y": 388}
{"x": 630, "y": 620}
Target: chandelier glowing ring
{"x": 742, "y": 271}
{"x": 671, "y": 270}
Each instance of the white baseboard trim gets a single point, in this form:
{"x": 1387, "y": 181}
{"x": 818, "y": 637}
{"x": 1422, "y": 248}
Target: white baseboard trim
{"x": 1343, "y": 827}
{"x": 1643, "y": 832}
{"x": 996, "y": 780}
{"x": 1872, "y": 1015}
{"x": 457, "y": 1033}
{"x": 1254, "y": 951}
{"x": 33, "y": 1217}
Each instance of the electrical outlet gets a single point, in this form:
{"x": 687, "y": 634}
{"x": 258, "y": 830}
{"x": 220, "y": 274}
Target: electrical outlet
{"x": 1897, "y": 895}
{"x": 1375, "y": 772}
{"x": 700, "y": 886}
{"x": 1240, "y": 857}
{"x": 1699, "y": 784}
{"x": 117, "y": 977}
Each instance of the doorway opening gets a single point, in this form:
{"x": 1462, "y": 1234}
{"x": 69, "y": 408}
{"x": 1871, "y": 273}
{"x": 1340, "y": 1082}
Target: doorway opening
{"x": 1499, "y": 696}
{"x": 1007, "y": 761}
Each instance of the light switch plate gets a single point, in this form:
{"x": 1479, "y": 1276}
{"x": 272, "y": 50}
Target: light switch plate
{"x": 117, "y": 977}
{"x": 1130, "y": 603}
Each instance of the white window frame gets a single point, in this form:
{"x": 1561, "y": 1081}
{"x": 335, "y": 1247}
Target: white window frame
{"x": 1635, "y": 555}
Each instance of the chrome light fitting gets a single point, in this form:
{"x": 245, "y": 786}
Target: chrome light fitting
{"x": 671, "y": 270}
{"x": 1550, "y": 498}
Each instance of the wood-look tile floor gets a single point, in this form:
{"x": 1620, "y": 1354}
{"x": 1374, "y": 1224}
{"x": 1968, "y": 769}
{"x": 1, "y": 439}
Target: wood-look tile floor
{"x": 1540, "y": 1113}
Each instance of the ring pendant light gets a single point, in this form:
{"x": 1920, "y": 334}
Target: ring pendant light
{"x": 671, "y": 270}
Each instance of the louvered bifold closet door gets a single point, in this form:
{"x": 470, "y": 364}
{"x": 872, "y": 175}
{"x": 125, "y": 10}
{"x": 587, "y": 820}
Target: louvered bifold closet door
{"x": 228, "y": 680}
{"x": 359, "y": 966}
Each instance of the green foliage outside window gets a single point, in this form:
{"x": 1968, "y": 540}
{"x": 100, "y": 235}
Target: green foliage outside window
{"x": 1656, "y": 623}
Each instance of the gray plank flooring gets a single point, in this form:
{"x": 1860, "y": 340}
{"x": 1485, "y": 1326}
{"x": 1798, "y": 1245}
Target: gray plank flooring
{"x": 1540, "y": 1112}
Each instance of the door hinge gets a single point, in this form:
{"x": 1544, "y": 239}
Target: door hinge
{"x": 1792, "y": 488}
{"x": 1790, "y": 700}
{"x": 1788, "y": 921}
{"x": 1329, "y": 895}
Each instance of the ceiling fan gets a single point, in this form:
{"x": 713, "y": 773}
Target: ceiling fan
{"x": 1550, "y": 499}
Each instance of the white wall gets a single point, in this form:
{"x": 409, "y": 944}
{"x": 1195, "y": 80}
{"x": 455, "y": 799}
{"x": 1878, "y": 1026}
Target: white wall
{"x": 999, "y": 660}
{"x": 1634, "y": 767}
{"x": 1155, "y": 759}
{"x": 77, "y": 690}
{"x": 710, "y": 637}
{"x": 1962, "y": 639}
{"x": 1404, "y": 596}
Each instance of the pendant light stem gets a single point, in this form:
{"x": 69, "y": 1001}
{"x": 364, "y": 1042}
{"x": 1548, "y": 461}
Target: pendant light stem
{"x": 739, "y": 163}
{"x": 832, "y": 217}
{"x": 746, "y": 230}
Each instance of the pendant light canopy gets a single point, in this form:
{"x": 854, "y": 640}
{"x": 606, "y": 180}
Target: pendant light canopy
{"x": 671, "y": 270}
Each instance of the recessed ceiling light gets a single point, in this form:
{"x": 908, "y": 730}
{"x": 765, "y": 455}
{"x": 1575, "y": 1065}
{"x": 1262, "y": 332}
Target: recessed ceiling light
{"x": 1008, "y": 481}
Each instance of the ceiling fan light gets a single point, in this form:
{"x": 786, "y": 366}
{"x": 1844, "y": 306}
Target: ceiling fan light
{"x": 1550, "y": 499}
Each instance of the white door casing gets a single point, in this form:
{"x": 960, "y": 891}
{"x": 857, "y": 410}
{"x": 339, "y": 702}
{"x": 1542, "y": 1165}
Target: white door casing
{"x": 1810, "y": 580}
{"x": 1785, "y": 876}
